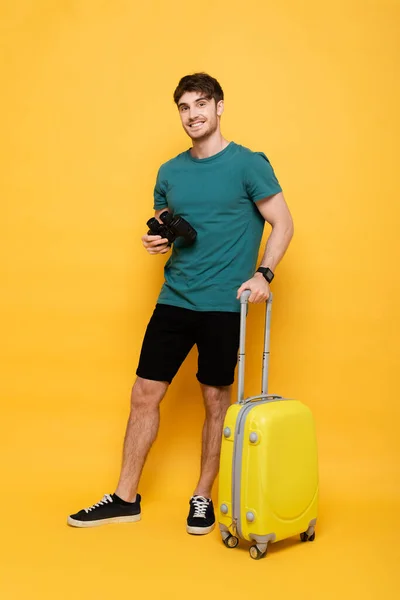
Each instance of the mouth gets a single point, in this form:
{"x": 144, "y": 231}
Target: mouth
{"x": 196, "y": 125}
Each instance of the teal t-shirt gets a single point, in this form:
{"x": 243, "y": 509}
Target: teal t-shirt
{"x": 217, "y": 196}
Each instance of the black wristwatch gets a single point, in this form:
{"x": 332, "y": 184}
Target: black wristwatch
{"x": 266, "y": 271}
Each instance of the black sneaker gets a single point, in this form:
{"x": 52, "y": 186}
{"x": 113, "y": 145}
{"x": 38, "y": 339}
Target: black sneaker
{"x": 201, "y": 517}
{"x": 108, "y": 510}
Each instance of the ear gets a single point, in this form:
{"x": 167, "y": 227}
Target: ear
{"x": 220, "y": 108}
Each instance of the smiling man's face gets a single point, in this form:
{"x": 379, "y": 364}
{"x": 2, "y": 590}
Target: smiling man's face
{"x": 199, "y": 115}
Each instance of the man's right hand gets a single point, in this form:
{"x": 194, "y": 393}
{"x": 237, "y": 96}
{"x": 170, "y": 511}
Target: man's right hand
{"x": 155, "y": 244}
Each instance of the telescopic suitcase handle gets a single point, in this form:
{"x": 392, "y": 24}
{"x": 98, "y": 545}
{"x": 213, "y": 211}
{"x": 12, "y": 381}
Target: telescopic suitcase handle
{"x": 244, "y": 298}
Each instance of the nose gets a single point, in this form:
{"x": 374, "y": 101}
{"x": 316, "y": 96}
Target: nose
{"x": 192, "y": 113}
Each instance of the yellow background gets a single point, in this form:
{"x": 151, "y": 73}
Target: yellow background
{"x": 87, "y": 118}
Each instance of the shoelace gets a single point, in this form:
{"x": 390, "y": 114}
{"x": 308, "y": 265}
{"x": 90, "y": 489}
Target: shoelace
{"x": 200, "y": 503}
{"x": 105, "y": 500}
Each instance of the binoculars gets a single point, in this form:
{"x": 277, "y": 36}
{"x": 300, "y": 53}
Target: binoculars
{"x": 172, "y": 227}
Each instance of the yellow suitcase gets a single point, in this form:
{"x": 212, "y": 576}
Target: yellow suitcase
{"x": 268, "y": 479}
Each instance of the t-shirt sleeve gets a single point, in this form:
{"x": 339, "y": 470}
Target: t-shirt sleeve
{"x": 160, "y": 191}
{"x": 260, "y": 178}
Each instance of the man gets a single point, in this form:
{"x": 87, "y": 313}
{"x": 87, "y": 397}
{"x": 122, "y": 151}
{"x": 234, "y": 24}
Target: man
{"x": 226, "y": 192}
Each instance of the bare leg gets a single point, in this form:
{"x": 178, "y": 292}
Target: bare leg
{"x": 216, "y": 401}
{"x": 140, "y": 434}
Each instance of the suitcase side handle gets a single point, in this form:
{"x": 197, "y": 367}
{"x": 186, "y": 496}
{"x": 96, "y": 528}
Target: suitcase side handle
{"x": 244, "y": 299}
{"x": 268, "y": 397}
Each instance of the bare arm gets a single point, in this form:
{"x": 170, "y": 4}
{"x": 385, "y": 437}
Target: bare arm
{"x": 276, "y": 212}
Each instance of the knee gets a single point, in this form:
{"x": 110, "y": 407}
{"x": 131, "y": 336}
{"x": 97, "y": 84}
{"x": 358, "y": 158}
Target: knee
{"x": 217, "y": 400}
{"x": 147, "y": 394}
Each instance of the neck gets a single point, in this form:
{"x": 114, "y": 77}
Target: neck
{"x": 208, "y": 147}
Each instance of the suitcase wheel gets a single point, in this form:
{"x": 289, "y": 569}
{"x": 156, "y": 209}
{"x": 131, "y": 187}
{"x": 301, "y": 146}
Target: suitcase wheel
{"x": 307, "y": 538}
{"x": 256, "y": 553}
{"x": 231, "y": 541}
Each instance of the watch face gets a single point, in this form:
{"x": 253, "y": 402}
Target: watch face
{"x": 266, "y": 271}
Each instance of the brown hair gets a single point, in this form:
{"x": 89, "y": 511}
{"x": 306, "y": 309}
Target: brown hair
{"x": 199, "y": 82}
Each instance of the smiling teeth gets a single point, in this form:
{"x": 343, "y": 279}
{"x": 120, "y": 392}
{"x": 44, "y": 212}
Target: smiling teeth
{"x": 196, "y": 124}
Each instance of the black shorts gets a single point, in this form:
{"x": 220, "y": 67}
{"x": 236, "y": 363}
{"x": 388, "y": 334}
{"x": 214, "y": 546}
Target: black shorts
{"x": 172, "y": 332}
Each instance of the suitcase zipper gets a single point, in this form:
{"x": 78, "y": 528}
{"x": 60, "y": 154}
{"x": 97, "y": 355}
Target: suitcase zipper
{"x": 237, "y": 464}
{"x": 237, "y": 458}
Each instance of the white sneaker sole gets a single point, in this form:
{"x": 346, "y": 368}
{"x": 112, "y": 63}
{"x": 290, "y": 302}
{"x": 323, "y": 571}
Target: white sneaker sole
{"x": 75, "y": 523}
{"x": 199, "y": 530}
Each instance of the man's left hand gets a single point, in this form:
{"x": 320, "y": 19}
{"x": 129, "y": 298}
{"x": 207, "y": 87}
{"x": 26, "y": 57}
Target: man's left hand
{"x": 259, "y": 288}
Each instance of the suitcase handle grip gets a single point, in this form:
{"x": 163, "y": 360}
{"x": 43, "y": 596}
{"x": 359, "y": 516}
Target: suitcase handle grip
{"x": 244, "y": 298}
{"x": 245, "y": 295}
